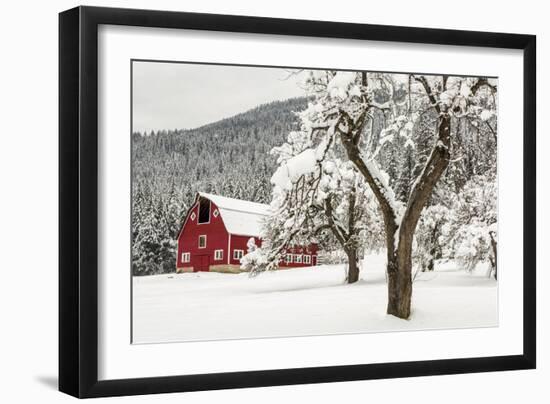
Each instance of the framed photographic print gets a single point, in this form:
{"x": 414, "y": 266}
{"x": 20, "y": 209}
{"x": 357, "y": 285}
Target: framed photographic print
{"x": 251, "y": 201}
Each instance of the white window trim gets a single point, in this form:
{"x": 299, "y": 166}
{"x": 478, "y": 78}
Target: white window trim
{"x": 229, "y": 249}
{"x": 202, "y": 235}
{"x": 185, "y": 257}
{"x": 298, "y": 258}
{"x": 235, "y": 252}
{"x": 307, "y": 259}
{"x": 218, "y": 255}
{"x": 288, "y": 259}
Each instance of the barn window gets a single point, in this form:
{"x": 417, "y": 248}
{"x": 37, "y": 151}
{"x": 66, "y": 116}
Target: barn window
{"x": 204, "y": 211}
{"x": 202, "y": 241}
{"x": 215, "y": 213}
{"x": 298, "y": 258}
{"x": 185, "y": 257}
{"x": 193, "y": 216}
{"x": 237, "y": 254}
{"x": 288, "y": 258}
{"x": 307, "y": 259}
{"x": 218, "y": 255}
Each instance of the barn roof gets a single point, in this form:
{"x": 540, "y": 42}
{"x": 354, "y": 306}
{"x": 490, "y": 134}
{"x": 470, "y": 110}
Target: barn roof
{"x": 240, "y": 217}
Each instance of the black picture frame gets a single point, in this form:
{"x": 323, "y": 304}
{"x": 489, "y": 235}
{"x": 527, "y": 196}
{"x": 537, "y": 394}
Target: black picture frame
{"x": 78, "y": 201}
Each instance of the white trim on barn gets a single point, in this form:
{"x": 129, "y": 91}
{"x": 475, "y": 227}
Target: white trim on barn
{"x": 229, "y": 249}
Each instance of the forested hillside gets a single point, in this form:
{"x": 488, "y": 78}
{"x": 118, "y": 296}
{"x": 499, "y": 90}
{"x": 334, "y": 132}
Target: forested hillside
{"x": 229, "y": 157}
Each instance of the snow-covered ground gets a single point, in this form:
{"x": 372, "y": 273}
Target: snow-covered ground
{"x": 307, "y": 301}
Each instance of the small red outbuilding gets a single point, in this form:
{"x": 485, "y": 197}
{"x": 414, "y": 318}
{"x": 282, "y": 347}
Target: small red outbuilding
{"x": 216, "y": 231}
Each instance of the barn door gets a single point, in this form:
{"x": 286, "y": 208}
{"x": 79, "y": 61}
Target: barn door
{"x": 203, "y": 263}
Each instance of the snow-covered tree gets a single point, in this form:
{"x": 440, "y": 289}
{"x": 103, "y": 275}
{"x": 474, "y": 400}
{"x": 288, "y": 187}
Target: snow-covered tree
{"x": 315, "y": 195}
{"x": 147, "y": 243}
{"x": 348, "y": 211}
{"x": 344, "y": 102}
{"x": 472, "y": 231}
{"x": 430, "y": 236}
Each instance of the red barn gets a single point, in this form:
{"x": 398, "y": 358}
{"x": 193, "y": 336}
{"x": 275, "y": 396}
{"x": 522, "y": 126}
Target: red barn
{"x": 216, "y": 231}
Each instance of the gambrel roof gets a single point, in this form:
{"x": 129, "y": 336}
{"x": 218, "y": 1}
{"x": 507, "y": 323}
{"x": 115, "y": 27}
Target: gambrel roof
{"x": 243, "y": 218}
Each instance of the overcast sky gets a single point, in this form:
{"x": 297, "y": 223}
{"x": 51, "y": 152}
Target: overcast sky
{"x": 184, "y": 96}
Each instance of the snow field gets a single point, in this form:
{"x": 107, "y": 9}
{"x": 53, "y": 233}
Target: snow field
{"x": 305, "y": 301}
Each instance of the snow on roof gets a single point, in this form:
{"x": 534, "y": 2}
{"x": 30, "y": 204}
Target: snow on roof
{"x": 243, "y": 218}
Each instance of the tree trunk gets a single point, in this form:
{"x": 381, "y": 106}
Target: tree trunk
{"x": 399, "y": 276}
{"x": 399, "y": 290}
{"x": 400, "y": 262}
{"x": 432, "y": 255}
{"x": 428, "y": 266}
{"x": 431, "y": 264}
{"x": 353, "y": 267}
{"x": 433, "y": 250}
{"x": 494, "y": 248}
{"x": 399, "y": 293}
